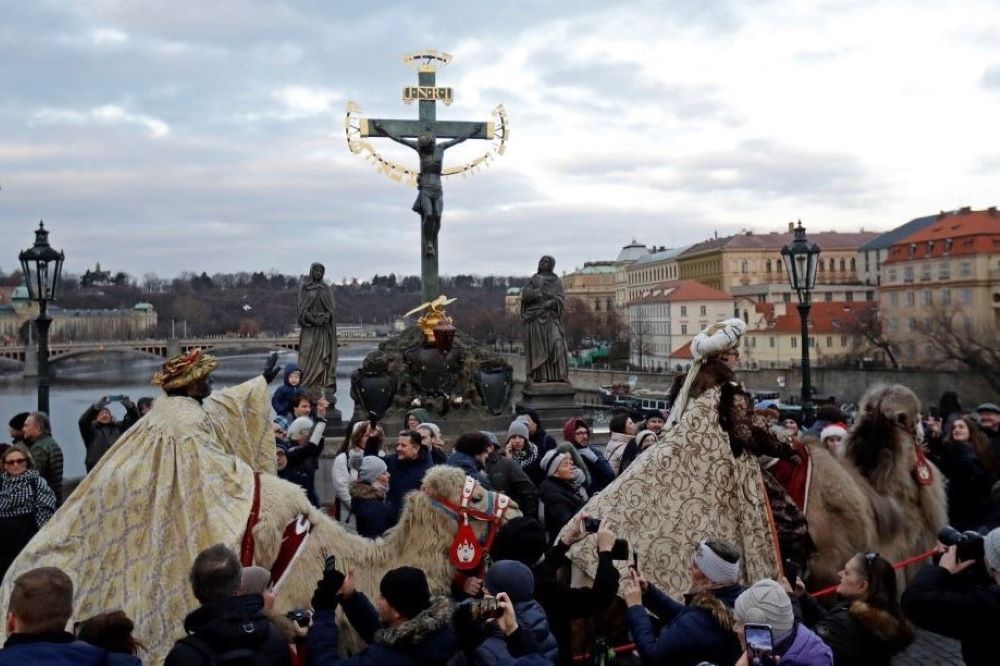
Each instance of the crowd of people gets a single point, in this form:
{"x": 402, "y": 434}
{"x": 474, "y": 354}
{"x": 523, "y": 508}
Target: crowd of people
{"x": 522, "y": 608}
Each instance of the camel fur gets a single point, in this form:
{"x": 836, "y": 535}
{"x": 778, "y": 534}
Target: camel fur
{"x": 421, "y": 539}
{"x": 870, "y": 500}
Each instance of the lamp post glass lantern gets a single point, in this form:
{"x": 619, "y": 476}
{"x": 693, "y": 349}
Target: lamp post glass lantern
{"x": 42, "y": 267}
{"x": 801, "y": 261}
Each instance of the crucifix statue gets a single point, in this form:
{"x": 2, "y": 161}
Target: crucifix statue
{"x": 422, "y": 136}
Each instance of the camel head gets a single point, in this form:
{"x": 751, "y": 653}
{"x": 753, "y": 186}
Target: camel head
{"x": 883, "y": 442}
{"x": 444, "y": 481}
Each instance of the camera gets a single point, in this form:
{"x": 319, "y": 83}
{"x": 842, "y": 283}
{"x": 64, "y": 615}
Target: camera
{"x": 485, "y": 609}
{"x": 300, "y": 616}
{"x": 591, "y": 524}
{"x": 969, "y": 544}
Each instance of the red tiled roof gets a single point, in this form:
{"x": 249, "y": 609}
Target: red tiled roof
{"x": 823, "y": 318}
{"x": 827, "y": 240}
{"x": 682, "y": 290}
{"x": 970, "y": 232}
{"x": 683, "y": 352}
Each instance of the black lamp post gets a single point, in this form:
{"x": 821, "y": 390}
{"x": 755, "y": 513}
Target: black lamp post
{"x": 42, "y": 267}
{"x": 800, "y": 259}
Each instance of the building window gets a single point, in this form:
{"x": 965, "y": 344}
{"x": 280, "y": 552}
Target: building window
{"x": 965, "y": 269}
{"x": 966, "y": 296}
{"x": 908, "y": 274}
{"x": 829, "y": 341}
{"x": 767, "y": 266}
{"x": 946, "y": 297}
{"x": 770, "y": 342}
{"x": 843, "y": 341}
{"x": 795, "y": 342}
{"x": 894, "y": 298}
{"x": 869, "y": 295}
{"x": 927, "y": 298}
{"x": 944, "y": 271}
{"x": 843, "y": 266}
{"x": 925, "y": 272}
{"x": 703, "y": 310}
{"x": 786, "y": 297}
{"x": 892, "y": 275}
{"x": 684, "y": 329}
{"x": 894, "y": 325}
{"x": 849, "y": 297}
{"x": 744, "y": 267}
{"x": 684, "y": 311}
{"x": 911, "y": 324}
{"x": 597, "y": 305}
{"x": 853, "y": 265}
{"x": 828, "y": 297}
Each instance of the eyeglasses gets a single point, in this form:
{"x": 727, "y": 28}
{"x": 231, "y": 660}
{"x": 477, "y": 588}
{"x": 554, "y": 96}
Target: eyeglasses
{"x": 10, "y": 462}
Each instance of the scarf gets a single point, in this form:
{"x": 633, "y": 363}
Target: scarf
{"x": 25, "y": 495}
{"x": 526, "y": 456}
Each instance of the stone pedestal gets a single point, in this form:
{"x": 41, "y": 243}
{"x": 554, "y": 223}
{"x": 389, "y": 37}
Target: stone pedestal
{"x": 554, "y": 401}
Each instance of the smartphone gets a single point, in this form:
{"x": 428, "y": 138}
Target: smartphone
{"x": 635, "y": 560}
{"x": 330, "y": 563}
{"x": 791, "y": 572}
{"x": 619, "y": 551}
{"x": 760, "y": 642}
{"x": 591, "y": 524}
{"x": 116, "y": 398}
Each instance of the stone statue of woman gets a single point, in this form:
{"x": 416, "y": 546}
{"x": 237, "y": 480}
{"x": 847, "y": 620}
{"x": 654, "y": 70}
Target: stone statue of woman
{"x": 318, "y": 336}
{"x": 542, "y": 303}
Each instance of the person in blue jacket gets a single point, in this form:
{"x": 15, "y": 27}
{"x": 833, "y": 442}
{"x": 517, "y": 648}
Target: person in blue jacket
{"x": 406, "y": 626}
{"x": 369, "y": 505}
{"x": 283, "y": 396}
{"x": 701, "y": 628}
{"x": 41, "y": 605}
{"x": 407, "y": 468}
{"x": 516, "y": 581}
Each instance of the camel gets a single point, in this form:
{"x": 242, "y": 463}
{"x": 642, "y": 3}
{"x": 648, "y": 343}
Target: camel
{"x": 421, "y": 539}
{"x": 871, "y": 500}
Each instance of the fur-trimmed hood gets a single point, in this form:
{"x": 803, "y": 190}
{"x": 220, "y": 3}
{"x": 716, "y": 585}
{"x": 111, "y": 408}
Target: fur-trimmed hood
{"x": 416, "y": 631}
{"x": 894, "y": 632}
{"x": 365, "y": 491}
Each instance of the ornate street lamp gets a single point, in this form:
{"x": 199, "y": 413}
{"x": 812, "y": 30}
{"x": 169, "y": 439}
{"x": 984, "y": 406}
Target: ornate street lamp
{"x": 42, "y": 267}
{"x": 800, "y": 259}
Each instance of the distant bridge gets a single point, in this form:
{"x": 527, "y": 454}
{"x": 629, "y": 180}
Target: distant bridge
{"x": 159, "y": 348}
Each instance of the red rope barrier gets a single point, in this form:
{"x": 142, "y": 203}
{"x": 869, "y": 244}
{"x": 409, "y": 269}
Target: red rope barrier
{"x": 628, "y": 647}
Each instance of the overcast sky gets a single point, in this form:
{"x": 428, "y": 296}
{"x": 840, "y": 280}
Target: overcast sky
{"x": 172, "y": 136}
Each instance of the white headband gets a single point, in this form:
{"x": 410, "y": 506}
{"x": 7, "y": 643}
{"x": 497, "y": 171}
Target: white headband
{"x": 554, "y": 462}
{"x": 714, "y": 567}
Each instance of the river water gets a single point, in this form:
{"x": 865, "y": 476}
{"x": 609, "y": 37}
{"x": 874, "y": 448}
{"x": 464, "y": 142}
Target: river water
{"x": 78, "y": 385}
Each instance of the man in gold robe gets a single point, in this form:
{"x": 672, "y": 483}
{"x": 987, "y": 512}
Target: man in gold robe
{"x": 178, "y": 481}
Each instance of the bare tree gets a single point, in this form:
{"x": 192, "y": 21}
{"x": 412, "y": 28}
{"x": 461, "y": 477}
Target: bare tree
{"x": 869, "y": 325}
{"x": 639, "y": 333}
{"x": 959, "y": 339}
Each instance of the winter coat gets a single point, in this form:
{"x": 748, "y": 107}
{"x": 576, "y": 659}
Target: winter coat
{"x": 471, "y": 466}
{"x": 858, "y": 634}
{"x": 945, "y": 604}
{"x": 405, "y": 475}
{"x": 563, "y": 604}
{"x": 99, "y": 437}
{"x": 234, "y": 623}
{"x": 304, "y": 458}
{"x": 371, "y": 510}
{"x": 969, "y": 484}
{"x": 345, "y": 472}
{"x": 26, "y": 503}
{"x": 695, "y": 631}
{"x": 529, "y": 459}
{"x": 494, "y": 651}
{"x": 285, "y": 394}
{"x": 561, "y": 502}
{"x": 425, "y": 640}
{"x": 615, "y": 449}
{"x": 803, "y": 648}
{"x": 48, "y": 459}
{"x": 507, "y": 477}
{"x": 58, "y": 649}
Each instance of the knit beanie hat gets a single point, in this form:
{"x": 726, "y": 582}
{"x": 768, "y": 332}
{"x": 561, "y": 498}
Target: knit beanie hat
{"x": 405, "y": 589}
{"x": 490, "y": 436}
{"x": 512, "y": 578}
{"x": 303, "y": 424}
{"x": 433, "y": 427}
{"x": 551, "y": 461}
{"x": 254, "y": 580}
{"x": 523, "y": 539}
{"x": 17, "y": 423}
{"x": 371, "y": 468}
{"x": 643, "y": 434}
{"x": 517, "y": 427}
{"x": 766, "y": 603}
{"x": 833, "y": 430}
{"x": 991, "y": 544}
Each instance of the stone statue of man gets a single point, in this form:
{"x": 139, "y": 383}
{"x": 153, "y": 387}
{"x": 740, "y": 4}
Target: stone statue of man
{"x": 542, "y": 303}
{"x": 318, "y": 336}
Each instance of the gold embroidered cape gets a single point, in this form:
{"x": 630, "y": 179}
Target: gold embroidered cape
{"x": 180, "y": 480}
{"x": 682, "y": 490}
